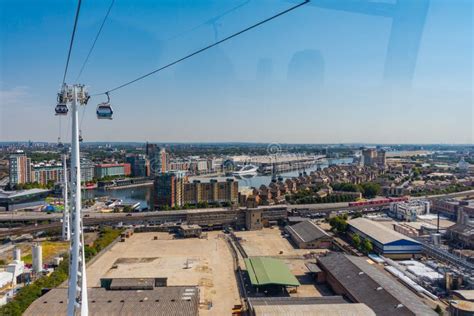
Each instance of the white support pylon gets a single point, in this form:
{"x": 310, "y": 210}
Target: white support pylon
{"x": 77, "y": 285}
{"x": 66, "y": 232}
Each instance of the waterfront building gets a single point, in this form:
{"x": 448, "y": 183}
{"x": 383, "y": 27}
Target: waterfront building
{"x": 169, "y": 188}
{"x": 158, "y": 159}
{"x": 139, "y": 165}
{"x": 211, "y": 192}
{"x": 112, "y": 170}
{"x": 45, "y": 172}
{"x": 87, "y": 170}
{"x": 19, "y": 168}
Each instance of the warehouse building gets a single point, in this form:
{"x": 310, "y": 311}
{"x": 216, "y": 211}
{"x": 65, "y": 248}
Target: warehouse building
{"x": 361, "y": 282}
{"x": 385, "y": 240}
{"x": 269, "y": 274}
{"x": 131, "y": 297}
{"x": 289, "y": 306}
{"x": 308, "y": 235}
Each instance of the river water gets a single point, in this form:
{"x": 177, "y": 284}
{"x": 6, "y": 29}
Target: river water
{"x": 144, "y": 195}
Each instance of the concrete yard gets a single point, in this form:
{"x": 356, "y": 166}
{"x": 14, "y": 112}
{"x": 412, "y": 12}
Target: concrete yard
{"x": 270, "y": 242}
{"x": 203, "y": 262}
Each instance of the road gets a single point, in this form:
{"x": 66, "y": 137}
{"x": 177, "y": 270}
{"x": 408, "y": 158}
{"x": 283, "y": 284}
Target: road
{"x": 93, "y": 218}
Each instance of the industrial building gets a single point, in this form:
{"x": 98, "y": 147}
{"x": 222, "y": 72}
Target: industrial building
{"x": 315, "y": 306}
{"x": 385, "y": 241}
{"x": 462, "y": 233}
{"x": 136, "y": 298}
{"x": 308, "y": 235}
{"x": 269, "y": 274}
{"x": 409, "y": 210}
{"x": 451, "y": 207}
{"x": 188, "y": 231}
{"x": 361, "y": 282}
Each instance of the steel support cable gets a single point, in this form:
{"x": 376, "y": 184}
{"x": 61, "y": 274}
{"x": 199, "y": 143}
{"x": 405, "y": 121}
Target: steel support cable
{"x": 72, "y": 40}
{"x": 205, "y": 48}
{"x": 95, "y": 40}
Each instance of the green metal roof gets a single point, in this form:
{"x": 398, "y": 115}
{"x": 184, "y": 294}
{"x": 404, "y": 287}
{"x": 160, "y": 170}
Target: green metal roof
{"x": 263, "y": 271}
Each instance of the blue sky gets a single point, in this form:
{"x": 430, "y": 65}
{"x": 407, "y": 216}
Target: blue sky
{"x": 392, "y": 71}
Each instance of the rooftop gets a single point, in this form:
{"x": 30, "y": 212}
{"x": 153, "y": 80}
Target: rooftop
{"x": 466, "y": 294}
{"x": 165, "y": 301}
{"x": 307, "y": 231}
{"x": 312, "y": 310}
{"x": 378, "y": 231}
{"x": 266, "y": 271}
{"x": 366, "y": 284}
{"x": 14, "y": 194}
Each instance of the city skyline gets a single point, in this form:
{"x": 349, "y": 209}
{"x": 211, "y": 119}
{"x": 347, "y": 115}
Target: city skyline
{"x": 285, "y": 82}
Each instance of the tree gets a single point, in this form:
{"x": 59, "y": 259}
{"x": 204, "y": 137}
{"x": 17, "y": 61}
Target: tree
{"x": 347, "y": 187}
{"x": 370, "y": 190}
{"x": 367, "y": 246}
{"x": 356, "y": 240}
{"x": 338, "y": 224}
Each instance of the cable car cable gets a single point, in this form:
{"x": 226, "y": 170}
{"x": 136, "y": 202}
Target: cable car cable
{"x": 72, "y": 39}
{"x": 205, "y": 48}
{"x": 95, "y": 40}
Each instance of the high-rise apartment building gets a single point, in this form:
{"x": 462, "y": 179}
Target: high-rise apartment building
{"x": 374, "y": 158}
{"x": 87, "y": 170}
{"x": 168, "y": 189}
{"x": 211, "y": 192}
{"x": 158, "y": 159}
{"x": 19, "y": 168}
{"x": 139, "y": 165}
{"x": 46, "y": 172}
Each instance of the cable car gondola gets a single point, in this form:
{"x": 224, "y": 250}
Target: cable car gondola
{"x": 104, "y": 110}
{"x": 61, "y": 107}
{"x": 80, "y": 136}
